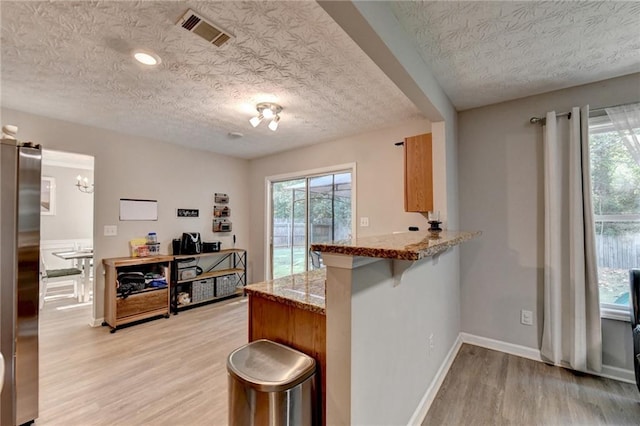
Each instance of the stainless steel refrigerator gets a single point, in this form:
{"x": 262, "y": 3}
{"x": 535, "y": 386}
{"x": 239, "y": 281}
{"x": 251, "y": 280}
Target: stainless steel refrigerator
{"x": 20, "y": 165}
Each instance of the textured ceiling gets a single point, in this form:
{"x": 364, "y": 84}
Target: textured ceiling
{"x": 486, "y": 52}
{"x": 72, "y": 61}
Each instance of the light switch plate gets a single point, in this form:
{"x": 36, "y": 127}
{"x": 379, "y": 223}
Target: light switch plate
{"x": 110, "y": 230}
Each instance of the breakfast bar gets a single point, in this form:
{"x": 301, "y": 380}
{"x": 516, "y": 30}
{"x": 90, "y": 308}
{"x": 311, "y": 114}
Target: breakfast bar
{"x": 291, "y": 311}
{"x": 359, "y": 319}
{"x": 393, "y": 319}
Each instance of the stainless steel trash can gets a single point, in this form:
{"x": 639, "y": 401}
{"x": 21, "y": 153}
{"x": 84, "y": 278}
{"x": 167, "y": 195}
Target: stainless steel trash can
{"x": 270, "y": 384}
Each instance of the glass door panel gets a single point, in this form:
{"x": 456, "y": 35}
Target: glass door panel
{"x": 307, "y": 210}
{"x": 288, "y": 221}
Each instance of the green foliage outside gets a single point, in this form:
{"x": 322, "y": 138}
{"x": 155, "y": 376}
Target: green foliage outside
{"x": 282, "y": 264}
{"x": 615, "y": 176}
{"x": 329, "y": 210}
{"x": 289, "y": 203}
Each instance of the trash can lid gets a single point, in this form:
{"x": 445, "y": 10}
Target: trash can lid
{"x": 270, "y": 367}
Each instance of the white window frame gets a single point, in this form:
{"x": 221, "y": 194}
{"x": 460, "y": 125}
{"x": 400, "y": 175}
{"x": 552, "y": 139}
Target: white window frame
{"x": 304, "y": 174}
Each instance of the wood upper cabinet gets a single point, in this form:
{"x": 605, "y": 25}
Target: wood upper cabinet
{"x": 418, "y": 173}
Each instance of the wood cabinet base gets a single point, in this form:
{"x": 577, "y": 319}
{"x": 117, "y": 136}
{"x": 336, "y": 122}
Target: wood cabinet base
{"x": 297, "y": 328}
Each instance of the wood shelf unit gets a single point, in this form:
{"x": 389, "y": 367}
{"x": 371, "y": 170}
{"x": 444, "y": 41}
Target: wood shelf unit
{"x": 213, "y": 299}
{"x": 139, "y": 305}
{"x": 213, "y": 274}
{"x": 220, "y": 264}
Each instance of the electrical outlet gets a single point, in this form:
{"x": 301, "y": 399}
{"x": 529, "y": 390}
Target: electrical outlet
{"x": 526, "y": 317}
{"x": 110, "y": 230}
{"x": 432, "y": 342}
{"x": 364, "y": 222}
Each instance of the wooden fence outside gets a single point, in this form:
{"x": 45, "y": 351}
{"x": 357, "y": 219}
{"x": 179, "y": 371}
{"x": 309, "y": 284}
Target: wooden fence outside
{"x": 618, "y": 252}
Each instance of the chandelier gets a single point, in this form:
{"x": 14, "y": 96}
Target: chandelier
{"x": 83, "y": 185}
{"x": 269, "y": 111}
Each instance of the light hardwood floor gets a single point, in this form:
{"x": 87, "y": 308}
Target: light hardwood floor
{"x": 173, "y": 372}
{"x": 163, "y": 372}
{"x": 486, "y": 387}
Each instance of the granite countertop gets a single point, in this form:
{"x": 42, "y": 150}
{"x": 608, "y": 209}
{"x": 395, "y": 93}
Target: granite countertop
{"x": 305, "y": 290}
{"x": 404, "y": 246}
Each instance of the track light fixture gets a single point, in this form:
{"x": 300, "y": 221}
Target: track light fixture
{"x": 267, "y": 110}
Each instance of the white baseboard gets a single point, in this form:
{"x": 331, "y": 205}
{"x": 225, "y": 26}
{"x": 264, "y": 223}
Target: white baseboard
{"x": 96, "y": 322}
{"x": 498, "y": 345}
{"x": 609, "y": 372}
{"x": 426, "y": 401}
{"x": 616, "y": 373}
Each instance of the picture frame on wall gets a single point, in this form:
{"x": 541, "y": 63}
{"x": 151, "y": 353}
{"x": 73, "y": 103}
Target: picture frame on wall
{"x": 48, "y": 196}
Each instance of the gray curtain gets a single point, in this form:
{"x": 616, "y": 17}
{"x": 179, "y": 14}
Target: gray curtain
{"x": 571, "y": 332}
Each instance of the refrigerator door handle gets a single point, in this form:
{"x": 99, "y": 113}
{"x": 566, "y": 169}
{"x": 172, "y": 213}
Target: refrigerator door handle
{"x": 1, "y": 371}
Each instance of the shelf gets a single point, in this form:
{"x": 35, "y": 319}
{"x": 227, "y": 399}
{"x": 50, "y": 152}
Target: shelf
{"x": 129, "y": 261}
{"x": 238, "y": 292}
{"x": 217, "y": 273}
{"x": 145, "y": 290}
{"x": 232, "y": 261}
{"x": 213, "y": 253}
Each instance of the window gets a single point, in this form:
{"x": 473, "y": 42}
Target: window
{"x": 615, "y": 175}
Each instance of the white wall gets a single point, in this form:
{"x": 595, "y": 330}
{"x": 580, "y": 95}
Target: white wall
{"x": 501, "y": 194}
{"x": 380, "y": 185}
{"x": 133, "y": 167}
{"x": 392, "y": 364}
{"x": 74, "y": 209}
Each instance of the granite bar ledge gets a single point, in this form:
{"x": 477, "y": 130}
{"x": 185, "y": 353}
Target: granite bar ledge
{"x": 305, "y": 290}
{"x": 402, "y": 246}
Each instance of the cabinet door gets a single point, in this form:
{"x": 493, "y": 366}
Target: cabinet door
{"x": 140, "y": 303}
{"x": 418, "y": 174}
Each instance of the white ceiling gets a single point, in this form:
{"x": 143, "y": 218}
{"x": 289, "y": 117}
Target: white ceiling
{"x": 483, "y": 52}
{"x": 72, "y": 61}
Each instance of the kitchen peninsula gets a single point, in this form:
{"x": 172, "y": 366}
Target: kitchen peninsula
{"x": 383, "y": 318}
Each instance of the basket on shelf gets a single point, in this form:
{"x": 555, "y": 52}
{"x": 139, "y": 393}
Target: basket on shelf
{"x": 202, "y": 290}
{"x": 226, "y": 285}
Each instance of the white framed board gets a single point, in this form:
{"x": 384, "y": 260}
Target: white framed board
{"x": 131, "y": 209}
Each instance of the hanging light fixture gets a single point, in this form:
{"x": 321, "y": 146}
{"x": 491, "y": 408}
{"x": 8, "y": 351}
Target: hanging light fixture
{"x": 267, "y": 110}
{"x": 83, "y": 185}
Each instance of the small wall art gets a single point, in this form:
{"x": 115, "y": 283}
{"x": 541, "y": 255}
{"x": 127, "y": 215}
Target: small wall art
{"x": 48, "y": 196}
{"x": 220, "y": 198}
{"x": 188, "y": 213}
{"x": 221, "y": 225}
{"x": 221, "y": 211}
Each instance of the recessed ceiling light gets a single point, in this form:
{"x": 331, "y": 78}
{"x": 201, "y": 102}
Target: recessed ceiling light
{"x": 146, "y": 57}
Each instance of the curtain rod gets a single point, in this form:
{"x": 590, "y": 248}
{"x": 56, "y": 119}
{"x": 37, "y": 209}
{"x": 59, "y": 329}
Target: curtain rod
{"x": 542, "y": 120}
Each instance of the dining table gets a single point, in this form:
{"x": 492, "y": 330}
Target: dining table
{"x": 83, "y": 257}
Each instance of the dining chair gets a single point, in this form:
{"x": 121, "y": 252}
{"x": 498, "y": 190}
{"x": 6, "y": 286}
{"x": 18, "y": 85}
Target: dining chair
{"x": 316, "y": 260}
{"x": 58, "y": 278}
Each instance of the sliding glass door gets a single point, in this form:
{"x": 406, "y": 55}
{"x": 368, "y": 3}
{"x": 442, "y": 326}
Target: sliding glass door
{"x": 307, "y": 210}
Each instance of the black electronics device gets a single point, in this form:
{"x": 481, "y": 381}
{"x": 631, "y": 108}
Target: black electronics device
{"x": 211, "y": 247}
{"x": 191, "y": 243}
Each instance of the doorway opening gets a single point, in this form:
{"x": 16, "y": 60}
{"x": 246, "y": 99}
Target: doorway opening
{"x": 305, "y": 208}
{"x": 66, "y": 236}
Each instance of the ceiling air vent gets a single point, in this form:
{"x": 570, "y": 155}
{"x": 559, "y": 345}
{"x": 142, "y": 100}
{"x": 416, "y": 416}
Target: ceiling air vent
{"x": 195, "y": 23}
